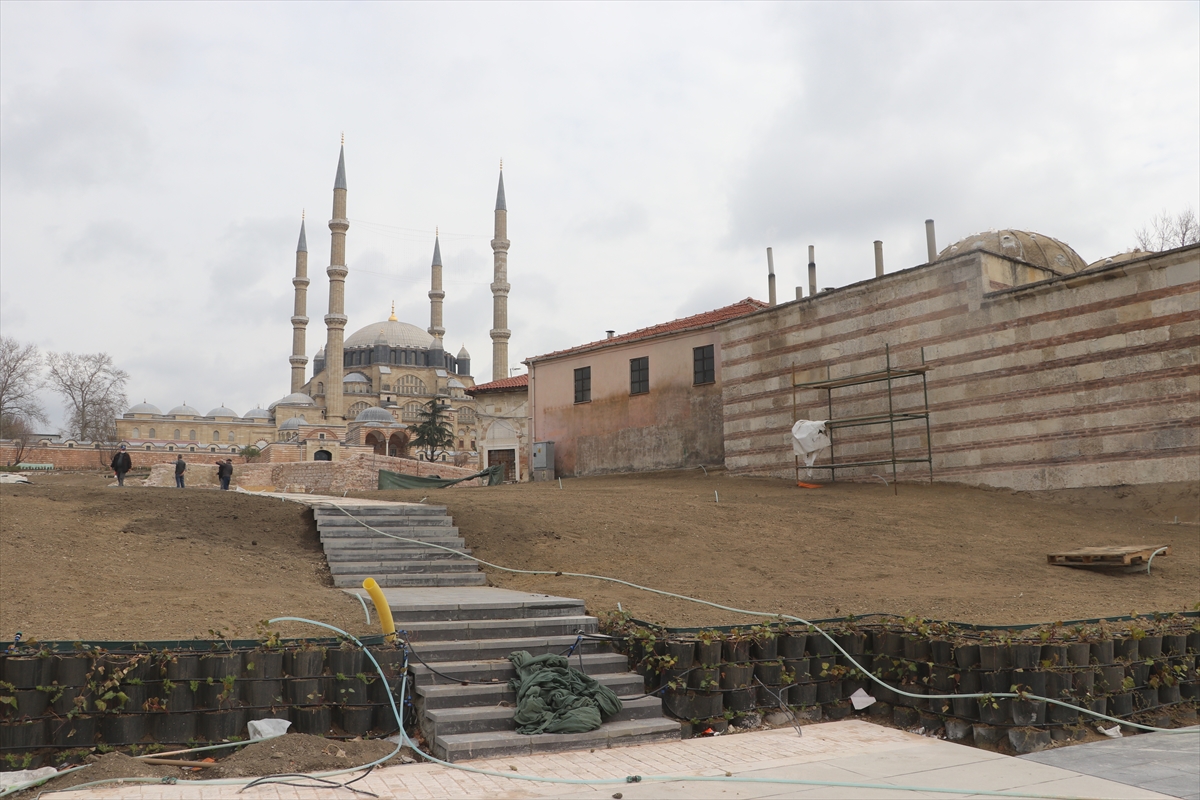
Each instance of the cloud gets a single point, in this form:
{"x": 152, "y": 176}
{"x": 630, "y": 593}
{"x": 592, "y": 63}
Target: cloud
{"x": 75, "y": 132}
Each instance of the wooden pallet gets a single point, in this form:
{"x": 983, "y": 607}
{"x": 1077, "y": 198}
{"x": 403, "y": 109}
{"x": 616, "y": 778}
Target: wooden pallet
{"x": 1130, "y": 555}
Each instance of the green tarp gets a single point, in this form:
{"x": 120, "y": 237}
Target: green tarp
{"x": 396, "y": 480}
{"x": 553, "y": 698}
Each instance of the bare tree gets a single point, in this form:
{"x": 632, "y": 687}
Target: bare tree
{"x": 20, "y": 379}
{"x": 94, "y": 391}
{"x": 18, "y": 432}
{"x": 1166, "y": 232}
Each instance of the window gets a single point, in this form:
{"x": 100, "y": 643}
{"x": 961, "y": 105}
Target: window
{"x": 231, "y": 437}
{"x": 136, "y": 434}
{"x": 639, "y": 375}
{"x": 466, "y": 414}
{"x": 704, "y": 367}
{"x": 151, "y": 436}
{"x": 411, "y": 412}
{"x": 411, "y": 384}
{"x": 176, "y": 437}
{"x": 320, "y": 387}
{"x": 192, "y": 435}
{"x": 216, "y": 436}
{"x": 147, "y": 447}
{"x": 583, "y": 385}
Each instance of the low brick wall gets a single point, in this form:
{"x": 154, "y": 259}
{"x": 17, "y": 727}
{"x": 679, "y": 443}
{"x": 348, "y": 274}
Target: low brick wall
{"x": 359, "y": 473}
{"x": 84, "y": 457}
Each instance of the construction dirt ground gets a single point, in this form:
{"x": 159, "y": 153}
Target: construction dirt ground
{"x": 83, "y": 560}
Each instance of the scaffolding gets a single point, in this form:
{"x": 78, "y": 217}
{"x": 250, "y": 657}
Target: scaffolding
{"x": 887, "y": 375}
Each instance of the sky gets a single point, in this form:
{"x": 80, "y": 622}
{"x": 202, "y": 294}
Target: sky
{"x": 155, "y": 159}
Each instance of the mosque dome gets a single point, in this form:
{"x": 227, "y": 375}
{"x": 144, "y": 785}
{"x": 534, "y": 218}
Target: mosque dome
{"x": 455, "y": 383}
{"x": 292, "y": 424}
{"x": 294, "y": 399}
{"x": 1119, "y": 258}
{"x": 222, "y": 411}
{"x": 394, "y": 333}
{"x": 356, "y": 377}
{"x": 183, "y": 411}
{"x": 375, "y": 414}
{"x": 1032, "y": 248}
{"x": 257, "y": 413}
{"x": 145, "y": 408}
{"x": 462, "y": 353}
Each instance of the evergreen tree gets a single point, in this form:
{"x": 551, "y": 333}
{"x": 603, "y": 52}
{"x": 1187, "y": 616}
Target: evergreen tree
{"x": 432, "y": 433}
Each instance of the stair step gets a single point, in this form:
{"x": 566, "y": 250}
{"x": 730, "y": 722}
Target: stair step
{"x": 414, "y": 580}
{"x": 454, "y": 695}
{"x": 499, "y": 628}
{"x": 418, "y": 510}
{"x": 359, "y": 532}
{"x": 339, "y": 553}
{"x": 404, "y": 613}
{"x": 383, "y": 542}
{"x": 500, "y": 670}
{"x": 494, "y": 649}
{"x": 415, "y": 523}
{"x": 439, "y": 722}
{"x": 441, "y": 565}
{"x": 464, "y": 746}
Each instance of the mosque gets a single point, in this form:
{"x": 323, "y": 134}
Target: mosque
{"x": 365, "y": 390}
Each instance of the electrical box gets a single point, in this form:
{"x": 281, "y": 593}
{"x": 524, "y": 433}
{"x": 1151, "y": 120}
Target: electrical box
{"x": 543, "y": 461}
{"x": 543, "y": 455}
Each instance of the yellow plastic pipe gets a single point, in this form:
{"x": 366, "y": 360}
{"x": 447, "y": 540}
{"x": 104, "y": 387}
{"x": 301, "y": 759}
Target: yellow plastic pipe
{"x": 382, "y": 610}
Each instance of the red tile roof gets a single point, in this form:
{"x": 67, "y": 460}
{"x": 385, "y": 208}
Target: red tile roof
{"x": 705, "y": 320}
{"x": 502, "y": 385}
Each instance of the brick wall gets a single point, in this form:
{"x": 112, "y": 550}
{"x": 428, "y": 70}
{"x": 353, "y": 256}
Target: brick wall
{"x": 360, "y": 472}
{"x": 1083, "y": 380}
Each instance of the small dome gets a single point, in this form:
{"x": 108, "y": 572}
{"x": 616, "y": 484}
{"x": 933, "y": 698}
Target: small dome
{"x": 222, "y": 411}
{"x": 257, "y": 413}
{"x": 356, "y": 377}
{"x": 394, "y": 333}
{"x": 183, "y": 411}
{"x": 462, "y": 353}
{"x": 292, "y": 424}
{"x": 294, "y": 399}
{"x": 144, "y": 408}
{"x": 455, "y": 383}
{"x": 1032, "y": 248}
{"x": 321, "y": 352}
{"x": 375, "y": 414}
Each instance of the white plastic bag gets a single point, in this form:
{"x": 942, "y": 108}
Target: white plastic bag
{"x": 267, "y": 728}
{"x": 809, "y": 437}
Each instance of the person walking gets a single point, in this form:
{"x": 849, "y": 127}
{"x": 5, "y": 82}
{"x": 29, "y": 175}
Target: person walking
{"x": 121, "y": 463}
{"x": 180, "y": 468}
{"x": 225, "y": 472}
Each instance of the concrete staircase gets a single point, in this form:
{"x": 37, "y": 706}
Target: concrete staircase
{"x": 470, "y": 641}
{"x": 355, "y": 552}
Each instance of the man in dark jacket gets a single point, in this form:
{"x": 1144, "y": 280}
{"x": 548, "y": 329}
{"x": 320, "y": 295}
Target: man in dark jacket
{"x": 180, "y": 468}
{"x": 225, "y": 472}
{"x": 121, "y": 463}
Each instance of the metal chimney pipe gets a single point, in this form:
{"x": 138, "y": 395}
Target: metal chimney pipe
{"x": 610, "y": 334}
{"x": 878, "y": 259}
{"x": 930, "y": 241}
{"x": 812, "y": 271}
{"x": 770, "y": 277}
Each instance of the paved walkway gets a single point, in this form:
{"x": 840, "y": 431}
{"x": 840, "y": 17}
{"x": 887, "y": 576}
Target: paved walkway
{"x": 1161, "y": 762}
{"x": 851, "y": 752}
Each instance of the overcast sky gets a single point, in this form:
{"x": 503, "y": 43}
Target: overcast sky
{"x": 155, "y": 158}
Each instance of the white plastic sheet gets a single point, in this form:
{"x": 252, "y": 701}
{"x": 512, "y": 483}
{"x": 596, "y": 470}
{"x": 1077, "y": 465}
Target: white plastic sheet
{"x": 17, "y": 777}
{"x": 267, "y": 728}
{"x": 809, "y": 437}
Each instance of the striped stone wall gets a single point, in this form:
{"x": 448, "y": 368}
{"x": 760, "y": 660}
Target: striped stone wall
{"x": 1036, "y": 381}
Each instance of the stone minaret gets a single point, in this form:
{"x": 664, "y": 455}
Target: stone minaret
{"x": 299, "y": 320}
{"x": 335, "y": 320}
{"x": 500, "y": 332}
{"x": 436, "y": 350}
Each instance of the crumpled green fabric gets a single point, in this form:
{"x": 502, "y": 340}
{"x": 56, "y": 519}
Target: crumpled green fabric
{"x": 553, "y": 698}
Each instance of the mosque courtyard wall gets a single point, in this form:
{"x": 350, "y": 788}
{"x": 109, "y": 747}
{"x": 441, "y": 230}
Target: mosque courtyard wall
{"x": 1036, "y": 380}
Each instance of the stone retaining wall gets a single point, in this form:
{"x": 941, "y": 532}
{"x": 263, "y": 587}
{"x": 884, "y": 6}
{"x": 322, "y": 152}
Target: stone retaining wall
{"x": 1090, "y": 379}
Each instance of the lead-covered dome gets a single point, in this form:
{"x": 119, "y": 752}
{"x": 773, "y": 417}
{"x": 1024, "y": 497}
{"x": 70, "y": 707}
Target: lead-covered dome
{"x": 145, "y": 408}
{"x": 392, "y": 331}
{"x": 183, "y": 411}
{"x": 1032, "y": 248}
{"x": 294, "y": 399}
{"x": 292, "y": 424}
{"x": 375, "y": 414}
{"x": 222, "y": 411}
{"x": 257, "y": 413}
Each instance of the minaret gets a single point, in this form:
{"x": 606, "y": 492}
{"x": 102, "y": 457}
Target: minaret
{"x": 500, "y": 332}
{"x": 299, "y": 320}
{"x": 335, "y": 320}
{"x": 436, "y": 350}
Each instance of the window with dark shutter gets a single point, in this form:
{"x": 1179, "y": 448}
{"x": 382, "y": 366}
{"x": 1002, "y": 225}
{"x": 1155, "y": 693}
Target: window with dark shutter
{"x": 583, "y": 385}
{"x": 704, "y": 368}
{"x": 639, "y": 375}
